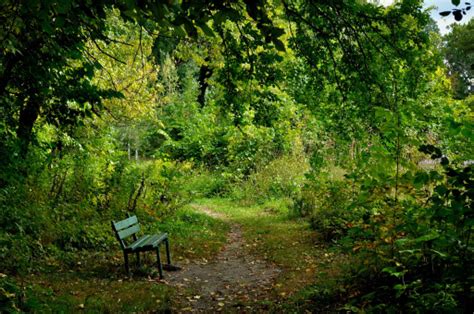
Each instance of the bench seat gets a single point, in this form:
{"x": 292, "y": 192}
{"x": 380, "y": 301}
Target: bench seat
{"x": 146, "y": 242}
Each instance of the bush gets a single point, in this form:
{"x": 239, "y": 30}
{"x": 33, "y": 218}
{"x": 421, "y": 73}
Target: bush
{"x": 21, "y": 225}
{"x": 414, "y": 253}
{"x": 281, "y": 178}
{"x": 10, "y": 295}
{"x": 69, "y": 204}
{"x": 328, "y": 206}
{"x": 31, "y": 298}
{"x": 74, "y": 235}
{"x": 204, "y": 183}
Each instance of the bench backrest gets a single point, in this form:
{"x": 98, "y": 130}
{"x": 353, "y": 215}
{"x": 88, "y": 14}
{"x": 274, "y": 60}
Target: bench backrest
{"x": 125, "y": 228}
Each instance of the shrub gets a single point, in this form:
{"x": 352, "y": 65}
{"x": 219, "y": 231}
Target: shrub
{"x": 204, "y": 183}
{"x": 280, "y": 178}
{"x": 328, "y": 205}
{"x": 415, "y": 253}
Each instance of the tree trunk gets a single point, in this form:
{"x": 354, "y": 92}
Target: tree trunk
{"x": 28, "y": 116}
{"x": 6, "y": 75}
{"x": 204, "y": 73}
{"x": 132, "y": 201}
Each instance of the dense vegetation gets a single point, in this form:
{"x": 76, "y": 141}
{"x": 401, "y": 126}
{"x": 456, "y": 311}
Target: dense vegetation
{"x": 355, "y": 117}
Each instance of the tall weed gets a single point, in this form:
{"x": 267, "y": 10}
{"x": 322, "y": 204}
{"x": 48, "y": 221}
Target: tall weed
{"x": 283, "y": 177}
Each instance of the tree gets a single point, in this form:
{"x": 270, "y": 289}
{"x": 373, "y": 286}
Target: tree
{"x": 459, "y": 53}
{"x": 43, "y": 69}
{"x": 46, "y": 69}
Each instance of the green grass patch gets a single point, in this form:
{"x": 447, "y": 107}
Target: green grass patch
{"x": 193, "y": 234}
{"x": 68, "y": 293}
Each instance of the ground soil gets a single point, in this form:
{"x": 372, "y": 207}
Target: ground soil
{"x": 235, "y": 281}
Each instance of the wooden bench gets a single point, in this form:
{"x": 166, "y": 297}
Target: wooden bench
{"x": 129, "y": 228}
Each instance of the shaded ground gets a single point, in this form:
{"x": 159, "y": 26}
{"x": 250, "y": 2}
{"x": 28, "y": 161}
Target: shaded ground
{"x": 234, "y": 281}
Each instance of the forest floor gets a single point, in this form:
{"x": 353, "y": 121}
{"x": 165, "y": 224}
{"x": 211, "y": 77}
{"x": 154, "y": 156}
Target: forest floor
{"x": 234, "y": 258}
{"x": 230, "y": 281}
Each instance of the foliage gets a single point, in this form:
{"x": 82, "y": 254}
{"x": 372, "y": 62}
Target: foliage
{"x": 85, "y": 194}
{"x": 325, "y": 109}
{"x": 278, "y": 179}
{"x": 418, "y": 254}
{"x": 206, "y": 183}
{"x": 331, "y": 216}
{"x": 459, "y": 53}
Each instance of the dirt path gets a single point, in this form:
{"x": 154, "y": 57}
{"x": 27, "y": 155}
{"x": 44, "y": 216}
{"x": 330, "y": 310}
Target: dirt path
{"x": 230, "y": 283}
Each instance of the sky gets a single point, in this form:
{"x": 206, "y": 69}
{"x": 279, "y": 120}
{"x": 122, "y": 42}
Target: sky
{"x": 439, "y": 6}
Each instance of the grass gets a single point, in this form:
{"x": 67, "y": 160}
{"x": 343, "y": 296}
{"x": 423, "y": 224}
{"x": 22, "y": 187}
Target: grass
{"x": 310, "y": 269}
{"x": 193, "y": 234}
{"x": 69, "y": 293}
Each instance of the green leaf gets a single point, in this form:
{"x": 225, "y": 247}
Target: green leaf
{"x": 279, "y": 44}
{"x": 456, "y": 2}
{"x": 439, "y": 253}
{"x": 400, "y": 289}
{"x": 206, "y": 29}
{"x": 427, "y": 237}
{"x": 63, "y": 6}
{"x": 227, "y": 14}
{"x": 277, "y": 32}
{"x": 46, "y": 26}
{"x": 180, "y": 31}
{"x": 441, "y": 189}
{"x": 394, "y": 272}
{"x": 421, "y": 178}
{"x": 389, "y": 270}
{"x": 411, "y": 252}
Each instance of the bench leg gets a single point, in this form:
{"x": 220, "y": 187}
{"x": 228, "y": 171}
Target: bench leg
{"x": 168, "y": 255}
{"x": 127, "y": 269}
{"x": 160, "y": 267}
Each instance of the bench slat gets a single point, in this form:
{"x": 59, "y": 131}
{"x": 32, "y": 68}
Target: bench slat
{"x": 138, "y": 243}
{"x": 147, "y": 241}
{"x": 129, "y": 231}
{"x": 122, "y": 224}
{"x": 155, "y": 239}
